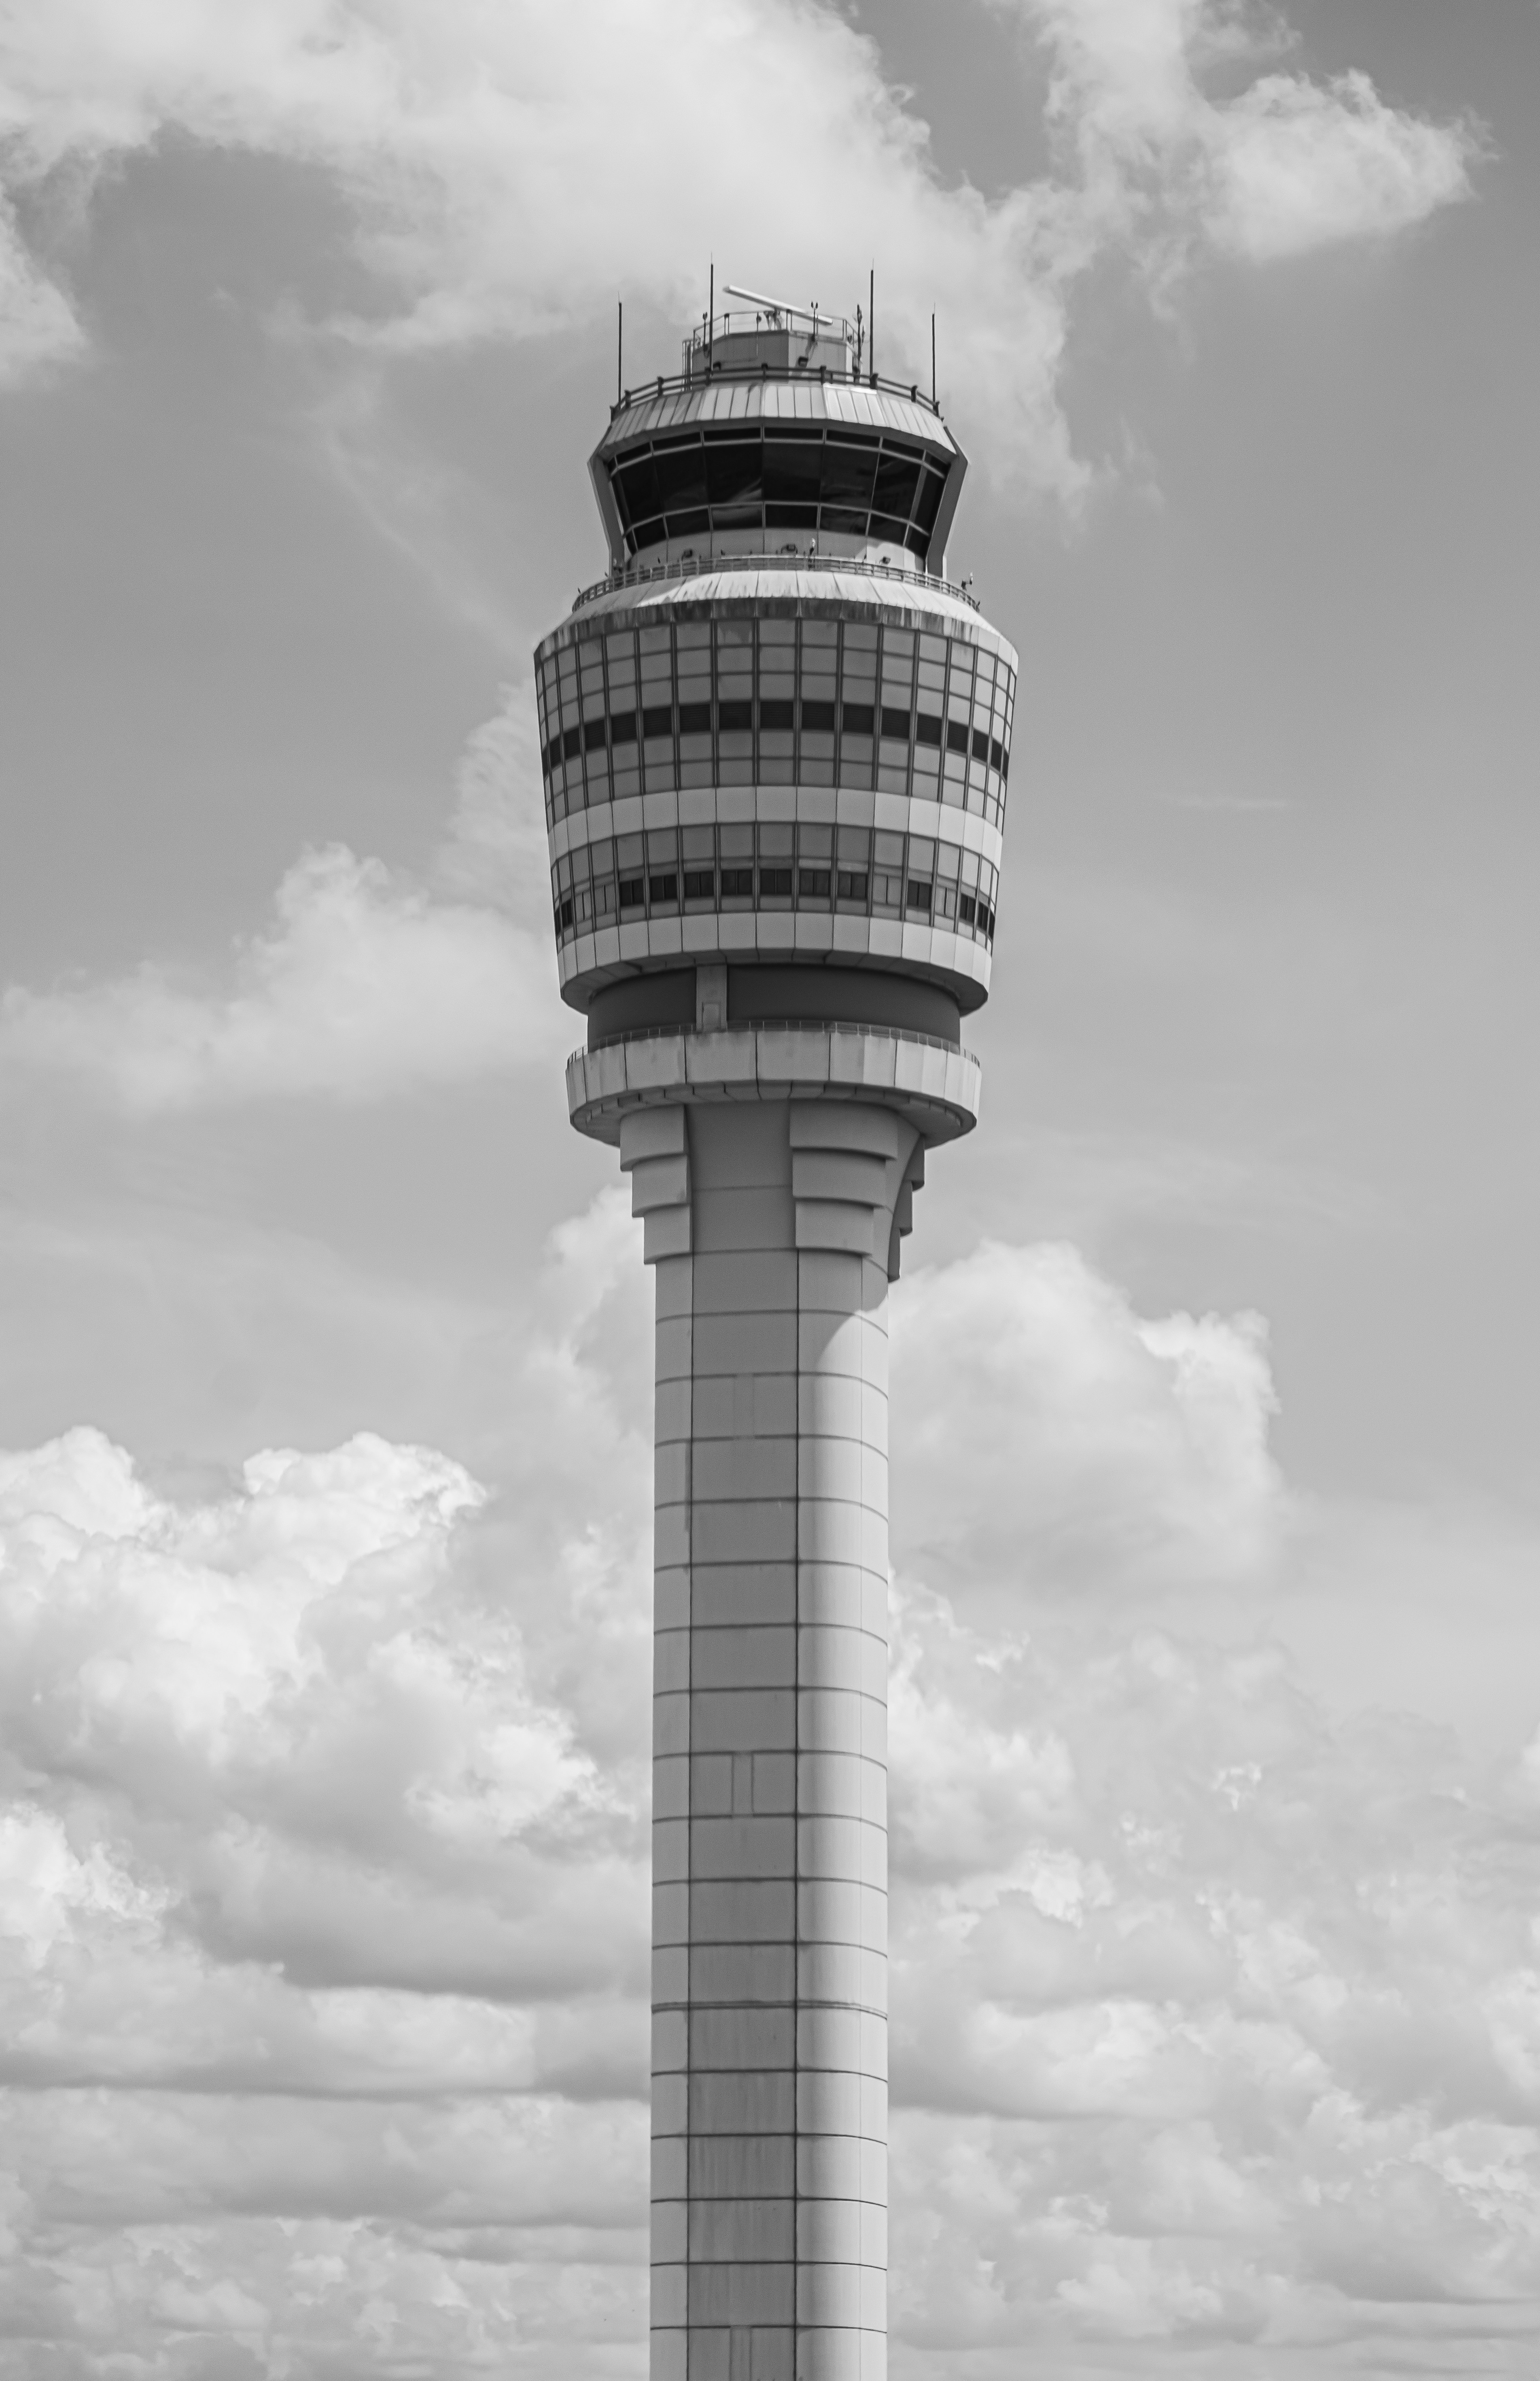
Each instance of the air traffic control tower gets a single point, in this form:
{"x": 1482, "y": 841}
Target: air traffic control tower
{"x": 774, "y": 745}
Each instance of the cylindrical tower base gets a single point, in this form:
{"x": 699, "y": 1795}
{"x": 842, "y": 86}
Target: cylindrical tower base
{"x": 770, "y": 1873}
{"x": 774, "y": 1168}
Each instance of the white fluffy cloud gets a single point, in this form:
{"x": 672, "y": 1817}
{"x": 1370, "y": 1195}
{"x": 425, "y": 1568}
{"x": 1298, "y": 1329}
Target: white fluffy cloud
{"x": 1067, "y": 1442}
{"x": 366, "y": 984}
{"x": 1284, "y": 165}
{"x": 363, "y": 985}
{"x": 322, "y": 1899}
{"x": 38, "y": 331}
{"x": 507, "y": 169}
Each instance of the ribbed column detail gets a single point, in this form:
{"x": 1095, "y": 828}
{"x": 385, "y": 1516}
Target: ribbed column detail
{"x": 769, "y": 1226}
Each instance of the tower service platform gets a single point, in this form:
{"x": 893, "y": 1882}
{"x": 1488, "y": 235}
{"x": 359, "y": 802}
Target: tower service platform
{"x": 776, "y": 742}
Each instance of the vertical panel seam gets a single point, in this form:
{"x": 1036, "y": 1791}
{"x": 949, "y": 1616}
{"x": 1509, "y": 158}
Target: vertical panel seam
{"x": 690, "y": 1740}
{"x": 796, "y": 1786}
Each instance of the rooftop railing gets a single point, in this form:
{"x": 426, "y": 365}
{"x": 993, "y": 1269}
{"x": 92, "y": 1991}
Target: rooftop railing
{"x": 696, "y": 566}
{"x": 704, "y": 370}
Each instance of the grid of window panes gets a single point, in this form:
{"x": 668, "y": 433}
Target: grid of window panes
{"x": 863, "y": 872}
{"x": 775, "y": 701}
{"x": 790, "y": 475}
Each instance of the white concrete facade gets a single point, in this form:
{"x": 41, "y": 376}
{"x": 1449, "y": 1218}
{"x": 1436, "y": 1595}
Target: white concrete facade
{"x": 770, "y": 1844}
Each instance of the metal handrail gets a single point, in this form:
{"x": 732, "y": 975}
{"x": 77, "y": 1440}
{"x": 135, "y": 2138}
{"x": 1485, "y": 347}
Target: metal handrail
{"x": 669, "y": 383}
{"x": 778, "y": 1025}
{"x": 695, "y": 566}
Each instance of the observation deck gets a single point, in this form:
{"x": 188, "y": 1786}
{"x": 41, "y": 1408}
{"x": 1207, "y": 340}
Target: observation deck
{"x": 771, "y": 432}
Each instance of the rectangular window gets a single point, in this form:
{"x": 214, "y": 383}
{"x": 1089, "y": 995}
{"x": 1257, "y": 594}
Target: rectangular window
{"x": 776, "y": 712}
{"x": 737, "y": 843}
{"x": 658, "y": 720}
{"x": 629, "y": 869}
{"x": 921, "y": 855}
{"x": 853, "y": 886}
{"x": 895, "y": 724}
{"x": 593, "y": 735}
{"x": 815, "y": 852}
{"x": 694, "y": 718}
{"x": 927, "y": 729}
{"x": 622, "y": 727}
{"x": 817, "y": 715}
{"x": 887, "y": 875}
{"x": 853, "y": 847}
{"x": 602, "y": 860}
{"x": 735, "y": 715}
{"x": 856, "y": 719}
{"x": 699, "y": 852}
{"x": 774, "y": 864}
{"x": 956, "y": 735}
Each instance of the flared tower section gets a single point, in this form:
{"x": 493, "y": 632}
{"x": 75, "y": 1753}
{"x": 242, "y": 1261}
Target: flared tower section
{"x": 776, "y": 745}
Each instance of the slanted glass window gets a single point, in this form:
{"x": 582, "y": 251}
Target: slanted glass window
{"x": 783, "y": 475}
{"x": 735, "y": 482}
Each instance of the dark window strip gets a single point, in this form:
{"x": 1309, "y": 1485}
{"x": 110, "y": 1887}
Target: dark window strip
{"x": 890, "y": 892}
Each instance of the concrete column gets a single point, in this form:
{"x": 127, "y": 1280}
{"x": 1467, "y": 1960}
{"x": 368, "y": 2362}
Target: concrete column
{"x": 769, "y": 1224}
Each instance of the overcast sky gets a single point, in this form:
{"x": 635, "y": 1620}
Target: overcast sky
{"x": 324, "y": 1359}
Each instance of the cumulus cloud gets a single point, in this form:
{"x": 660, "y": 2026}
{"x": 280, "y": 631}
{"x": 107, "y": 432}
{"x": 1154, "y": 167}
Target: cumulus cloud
{"x": 1215, "y": 2024}
{"x": 1296, "y": 167}
{"x": 1062, "y": 1442}
{"x": 1283, "y": 165}
{"x": 506, "y": 174}
{"x": 363, "y": 985}
{"x": 323, "y": 1907}
{"x": 323, "y": 1893}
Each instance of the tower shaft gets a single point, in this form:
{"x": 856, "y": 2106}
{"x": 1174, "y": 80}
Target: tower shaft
{"x": 770, "y": 1841}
